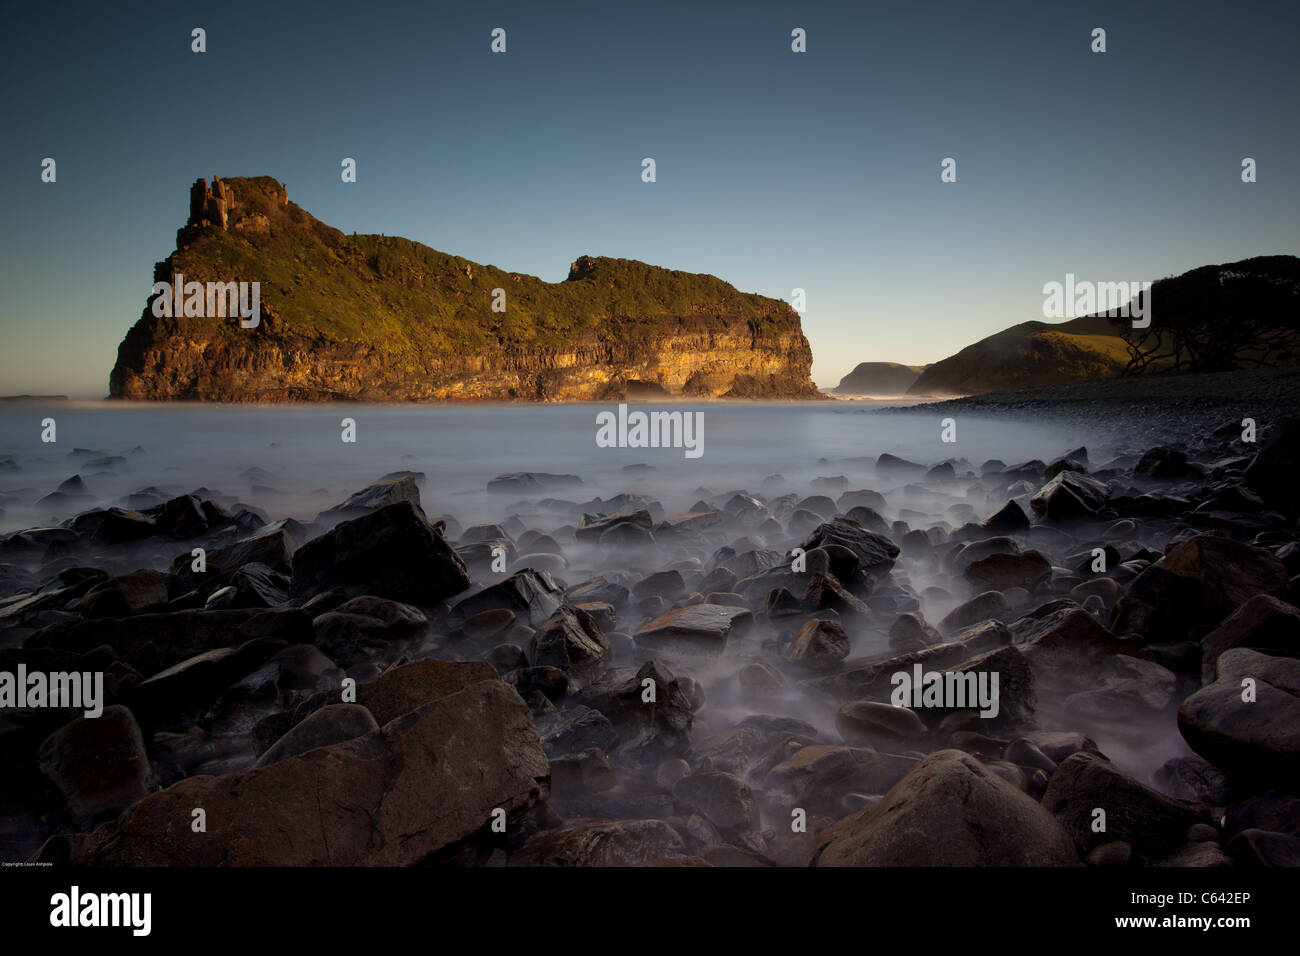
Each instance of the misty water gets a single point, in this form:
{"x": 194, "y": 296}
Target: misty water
{"x": 290, "y": 461}
{"x": 184, "y": 447}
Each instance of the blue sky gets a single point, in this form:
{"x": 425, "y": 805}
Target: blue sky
{"x": 775, "y": 170}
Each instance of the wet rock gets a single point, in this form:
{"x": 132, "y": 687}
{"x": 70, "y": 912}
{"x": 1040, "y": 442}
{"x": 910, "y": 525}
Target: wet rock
{"x": 253, "y": 585}
{"x": 1016, "y": 698}
{"x": 893, "y": 465}
{"x": 1002, "y": 571}
{"x": 872, "y": 678}
{"x": 1272, "y": 472}
{"x": 489, "y": 625}
{"x": 602, "y": 843}
{"x": 507, "y": 657}
{"x": 1259, "y": 848}
{"x": 125, "y": 595}
{"x": 1023, "y": 752}
{"x": 571, "y": 640}
{"x": 1263, "y": 623}
{"x": 577, "y": 730}
{"x": 875, "y": 552}
{"x": 605, "y": 615}
{"x": 175, "y": 697}
{"x": 818, "y": 644}
{"x": 1193, "y": 778}
{"x": 151, "y": 641}
{"x": 1271, "y": 810}
{"x": 752, "y": 743}
{"x": 1058, "y": 745}
{"x": 820, "y": 506}
{"x": 723, "y": 799}
{"x": 694, "y": 630}
{"x": 910, "y": 632}
{"x": 272, "y": 546}
{"x": 866, "y": 723}
{"x": 530, "y": 482}
{"x": 390, "y": 553}
{"x": 581, "y": 774}
{"x": 1256, "y": 740}
{"x": 549, "y": 683}
{"x": 327, "y": 726}
{"x": 391, "y": 797}
{"x": 948, "y": 811}
{"x": 816, "y": 777}
{"x": 366, "y": 628}
{"x": 1128, "y": 685}
{"x": 1165, "y": 463}
{"x": 593, "y": 526}
{"x": 1070, "y": 495}
{"x": 665, "y": 584}
{"x": 647, "y": 706}
{"x": 1150, "y": 821}
{"x": 601, "y": 588}
{"x": 1111, "y": 855}
{"x": 1158, "y": 605}
{"x": 386, "y": 491}
{"x": 988, "y": 606}
{"x": 404, "y": 689}
{"x": 533, "y": 596}
{"x": 118, "y": 526}
{"x": 1228, "y": 572}
{"x": 1009, "y": 519}
{"x": 98, "y": 764}
{"x": 1068, "y": 648}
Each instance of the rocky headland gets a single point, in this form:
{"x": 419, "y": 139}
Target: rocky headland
{"x": 383, "y": 319}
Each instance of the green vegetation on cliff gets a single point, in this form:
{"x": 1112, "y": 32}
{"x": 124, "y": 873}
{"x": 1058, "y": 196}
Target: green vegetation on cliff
{"x": 429, "y": 314}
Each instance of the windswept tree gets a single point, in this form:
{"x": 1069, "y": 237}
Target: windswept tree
{"x": 1215, "y": 318}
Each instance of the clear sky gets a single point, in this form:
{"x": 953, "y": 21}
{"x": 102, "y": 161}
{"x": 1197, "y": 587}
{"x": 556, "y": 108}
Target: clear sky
{"x": 775, "y": 170}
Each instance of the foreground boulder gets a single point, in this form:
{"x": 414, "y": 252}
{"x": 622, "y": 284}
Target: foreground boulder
{"x": 392, "y": 797}
{"x": 392, "y": 553}
{"x": 1253, "y": 739}
{"x": 948, "y": 811}
{"x": 98, "y": 764}
{"x": 533, "y": 596}
{"x": 1147, "y": 820}
{"x": 571, "y": 640}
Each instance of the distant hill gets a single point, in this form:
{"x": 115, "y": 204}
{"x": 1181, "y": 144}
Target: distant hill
{"x": 1029, "y": 355}
{"x": 1210, "y": 319}
{"x": 878, "y": 378}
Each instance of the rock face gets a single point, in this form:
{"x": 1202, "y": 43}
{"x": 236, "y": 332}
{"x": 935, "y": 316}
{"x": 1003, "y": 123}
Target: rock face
{"x": 949, "y": 811}
{"x": 390, "y": 797}
{"x": 379, "y": 318}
